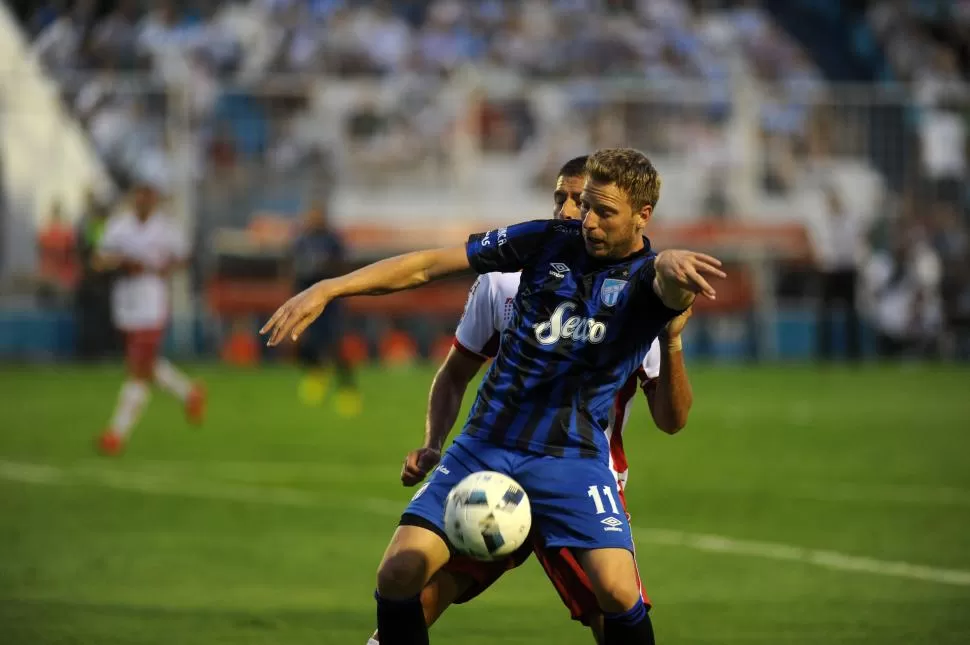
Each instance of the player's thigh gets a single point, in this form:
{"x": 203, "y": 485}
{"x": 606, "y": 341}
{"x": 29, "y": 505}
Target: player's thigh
{"x": 570, "y": 581}
{"x": 575, "y": 503}
{"x": 414, "y": 555}
{"x": 444, "y": 589}
{"x": 427, "y": 507}
{"x": 612, "y": 574}
{"x": 478, "y": 575}
{"x": 420, "y": 546}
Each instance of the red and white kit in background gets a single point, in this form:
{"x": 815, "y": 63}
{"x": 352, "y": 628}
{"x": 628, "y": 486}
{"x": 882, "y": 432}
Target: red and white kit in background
{"x": 487, "y": 314}
{"x": 140, "y": 302}
{"x": 140, "y": 308}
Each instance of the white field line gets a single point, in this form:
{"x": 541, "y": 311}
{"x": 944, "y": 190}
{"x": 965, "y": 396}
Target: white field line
{"x": 181, "y": 486}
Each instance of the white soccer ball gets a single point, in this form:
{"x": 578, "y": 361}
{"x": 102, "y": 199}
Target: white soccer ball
{"x": 487, "y": 516}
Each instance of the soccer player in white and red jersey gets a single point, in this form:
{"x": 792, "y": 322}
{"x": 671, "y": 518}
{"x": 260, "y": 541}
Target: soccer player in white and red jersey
{"x": 144, "y": 246}
{"x": 662, "y": 377}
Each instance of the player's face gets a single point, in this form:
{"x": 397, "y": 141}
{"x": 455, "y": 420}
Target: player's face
{"x": 611, "y": 228}
{"x": 567, "y": 197}
{"x": 144, "y": 200}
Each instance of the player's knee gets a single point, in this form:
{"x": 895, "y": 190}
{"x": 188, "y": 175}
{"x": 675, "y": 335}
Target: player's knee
{"x": 613, "y": 575}
{"x": 617, "y": 593}
{"x": 402, "y": 574}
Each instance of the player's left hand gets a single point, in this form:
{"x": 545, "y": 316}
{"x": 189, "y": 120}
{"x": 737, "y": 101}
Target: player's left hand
{"x": 689, "y": 270}
{"x": 676, "y": 325}
{"x": 297, "y": 313}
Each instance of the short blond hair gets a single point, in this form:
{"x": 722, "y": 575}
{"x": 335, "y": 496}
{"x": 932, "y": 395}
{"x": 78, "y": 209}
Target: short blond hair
{"x": 630, "y": 170}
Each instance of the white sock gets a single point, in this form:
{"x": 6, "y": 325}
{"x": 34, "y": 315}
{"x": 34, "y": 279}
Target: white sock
{"x": 373, "y": 642}
{"x": 170, "y": 379}
{"x": 131, "y": 400}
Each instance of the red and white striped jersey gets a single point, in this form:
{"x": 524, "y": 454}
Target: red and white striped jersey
{"x": 488, "y": 311}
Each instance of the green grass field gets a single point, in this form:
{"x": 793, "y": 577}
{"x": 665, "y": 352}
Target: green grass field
{"x": 800, "y": 506}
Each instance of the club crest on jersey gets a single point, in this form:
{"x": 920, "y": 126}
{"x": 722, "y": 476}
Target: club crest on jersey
{"x": 610, "y": 291}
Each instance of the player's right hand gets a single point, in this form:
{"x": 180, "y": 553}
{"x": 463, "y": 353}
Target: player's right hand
{"x": 689, "y": 270}
{"x": 296, "y": 314}
{"x": 418, "y": 464}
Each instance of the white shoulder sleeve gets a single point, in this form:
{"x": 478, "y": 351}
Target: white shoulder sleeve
{"x": 477, "y": 327}
{"x": 651, "y": 362}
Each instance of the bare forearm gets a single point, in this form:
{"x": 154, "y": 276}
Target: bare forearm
{"x": 401, "y": 272}
{"x": 104, "y": 263}
{"x": 673, "y": 396}
{"x": 108, "y": 262}
{"x": 444, "y": 404}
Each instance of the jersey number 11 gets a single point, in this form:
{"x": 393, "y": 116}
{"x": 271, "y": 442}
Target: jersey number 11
{"x": 598, "y": 500}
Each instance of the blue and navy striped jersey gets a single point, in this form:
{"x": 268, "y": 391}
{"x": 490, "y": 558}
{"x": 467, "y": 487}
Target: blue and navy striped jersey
{"x": 580, "y": 327}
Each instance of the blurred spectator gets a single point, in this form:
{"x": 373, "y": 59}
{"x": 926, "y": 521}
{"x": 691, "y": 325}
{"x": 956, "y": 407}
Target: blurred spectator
{"x": 839, "y": 239}
{"x": 951, "y": 241}
{"x": 942, "y": 130}
{"x": 902, "y": 293}
{"x": 114, "y": 39}
{"x": 56, "y": 259}
{"x": 97, "y": 337}
{"x": 59, "y": 44}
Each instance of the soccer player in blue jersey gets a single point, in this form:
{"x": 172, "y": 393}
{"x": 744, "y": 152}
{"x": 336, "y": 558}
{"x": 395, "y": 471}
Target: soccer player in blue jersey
{"x": 662, "y": 377}
{"x": 592, "y": 298}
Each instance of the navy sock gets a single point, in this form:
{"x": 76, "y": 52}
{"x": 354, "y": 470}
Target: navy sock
{"x": 632, "y": 627}
{"x": 401, "y": 622}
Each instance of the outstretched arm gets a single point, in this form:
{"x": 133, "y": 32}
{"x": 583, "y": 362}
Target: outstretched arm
{"x": 387, "y": 276}
{"x": 670, "y": 395}
{"x": 401, "y": 272}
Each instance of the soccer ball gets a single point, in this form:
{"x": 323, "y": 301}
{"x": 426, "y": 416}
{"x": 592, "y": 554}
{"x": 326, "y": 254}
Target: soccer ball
{"x": 487, "y": 516}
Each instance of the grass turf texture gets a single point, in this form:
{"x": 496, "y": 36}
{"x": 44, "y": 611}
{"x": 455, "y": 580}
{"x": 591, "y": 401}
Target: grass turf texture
{"x": 266, "y": 526}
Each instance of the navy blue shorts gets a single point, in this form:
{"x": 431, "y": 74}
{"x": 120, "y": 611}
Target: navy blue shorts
{"x": 575, "y": 501}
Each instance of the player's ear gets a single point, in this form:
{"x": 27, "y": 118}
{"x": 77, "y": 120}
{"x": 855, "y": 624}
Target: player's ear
{"x": 643, "y": 216}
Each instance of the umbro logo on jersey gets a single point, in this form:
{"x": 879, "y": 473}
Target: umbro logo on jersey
{"x": 576, "y": 328}
{"x": 612, "y": 524}
{"x": 558, "y": 270}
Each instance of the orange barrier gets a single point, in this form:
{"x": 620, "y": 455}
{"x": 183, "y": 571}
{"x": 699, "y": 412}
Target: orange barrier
{"x": 440, "y": 348}
{"x": 241, "y": 349}
{"x": 398, "y": 348}
{"x": 353, "y": 348}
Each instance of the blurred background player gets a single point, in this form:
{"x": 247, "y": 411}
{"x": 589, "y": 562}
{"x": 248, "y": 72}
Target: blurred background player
{"x": 145, "y": 246}
{"x": 318, "y": 254}
{"x": 662, "y": 377}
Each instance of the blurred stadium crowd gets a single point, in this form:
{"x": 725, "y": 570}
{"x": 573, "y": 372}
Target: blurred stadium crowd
{"x": 858, "y": 111}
